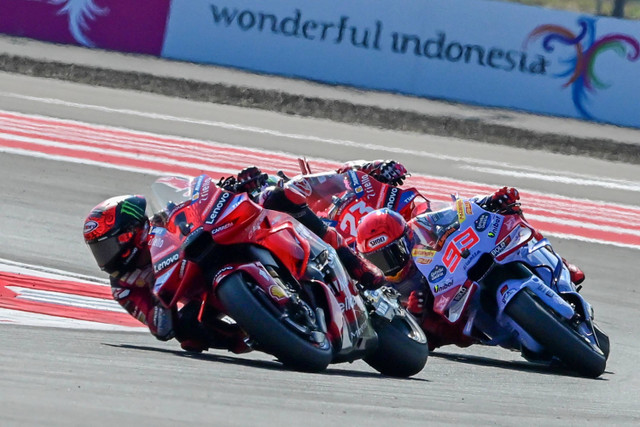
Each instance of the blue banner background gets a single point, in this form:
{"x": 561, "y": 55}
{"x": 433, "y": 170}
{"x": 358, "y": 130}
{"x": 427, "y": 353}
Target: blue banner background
{"x": 477, "y": 51}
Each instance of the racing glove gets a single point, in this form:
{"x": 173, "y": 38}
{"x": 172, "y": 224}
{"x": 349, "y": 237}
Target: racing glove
{"x": 576, "y": 274}
{"x": 229, "y": 183}
{"x": 416, "y": 303}
{"x": 386, "y": 171}
{"x": 250, "y": 180}
{"x": 504, "y": 200}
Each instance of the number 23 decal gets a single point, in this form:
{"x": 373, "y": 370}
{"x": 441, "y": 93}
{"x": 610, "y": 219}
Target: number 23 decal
{"x": 351, "y": 218}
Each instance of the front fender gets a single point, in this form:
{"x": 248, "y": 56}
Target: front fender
{"x": 259, "y": 275}
{"x": 508, "y": 289}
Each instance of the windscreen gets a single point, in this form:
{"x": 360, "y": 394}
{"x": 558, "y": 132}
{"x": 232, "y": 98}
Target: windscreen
{"x": 170, "y": 189}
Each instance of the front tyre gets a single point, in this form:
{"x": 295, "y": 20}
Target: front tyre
{"x": 555, "y": 335}
{"x": 271, "y": 327}
{"x": 402, "y": 347}
{"x": 603, "y": 340}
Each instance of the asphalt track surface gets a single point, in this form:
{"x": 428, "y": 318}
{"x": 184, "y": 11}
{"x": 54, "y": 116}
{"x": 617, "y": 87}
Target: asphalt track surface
{"x": 58, "y": 376}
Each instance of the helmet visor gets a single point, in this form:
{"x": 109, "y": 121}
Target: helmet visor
{"x": 390, "y": 259}
{"x": 105, "y": 251}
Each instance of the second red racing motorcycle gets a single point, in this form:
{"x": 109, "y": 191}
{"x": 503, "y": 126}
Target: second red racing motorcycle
{"x": 343, "y": 199}
{"x": 278, "y": 281}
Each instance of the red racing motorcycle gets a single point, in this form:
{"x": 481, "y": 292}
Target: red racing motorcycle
{"x": 278, "y": 281}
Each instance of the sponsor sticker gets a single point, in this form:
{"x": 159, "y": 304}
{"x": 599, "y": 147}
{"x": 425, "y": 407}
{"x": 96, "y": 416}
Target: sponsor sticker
{"x": 355, "y": 183}
{"x": 166, "y": 262}
{"x": 467, "y": 208}
{"x": 157, "y": 242}
{"x": 120, "y": 293}
{"x": 89, "y": 226}
{"x": 377, "y": 241}
{"x": 204, "y": 194}
{"x": 222, "y": 227}
{"x": 407, "y": 197}
{"x": 304, "y": 187}
{"x": 221, "y": 272}
{"x": 437, "y": 274}
{"x": 183, "y": 266}
{"x": 461, "y": 211}
{"x": 446, "y": 285}
{"x": 495, "y": 226}
{"x": 217, "y": 208}
{"x": 423, "y": 252}
{"x": 277, "y": 292}
{"x": 391, "y": 198}
{"x": 500, "y": 247}
{"x": 196, "y": 188}
{"x": 368, "y": 187}
{"x": 423, "y": 256}
{"x": 507, "y": 294}
{"x": 482, "y": 222}
{"x": 158, "y": 231}
{"x": 461, "y": 293}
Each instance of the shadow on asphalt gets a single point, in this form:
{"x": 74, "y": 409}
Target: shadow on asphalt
{"x": 262, "y": 364}
{"x": 522, "y": 366}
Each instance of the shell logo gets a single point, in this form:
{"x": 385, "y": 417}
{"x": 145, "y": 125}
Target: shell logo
{"x": 277, "y": 292}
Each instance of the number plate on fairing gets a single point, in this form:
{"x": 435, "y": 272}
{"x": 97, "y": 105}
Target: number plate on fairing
{"x": 452, "y": 241}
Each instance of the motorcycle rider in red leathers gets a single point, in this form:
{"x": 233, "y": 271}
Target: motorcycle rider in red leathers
{"x": 117, "y": 233}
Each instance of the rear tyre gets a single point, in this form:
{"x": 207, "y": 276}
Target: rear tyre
{"x": 264, "y": 322}
{"x": 402, "y": 347}
{"x": 556, "y": 335}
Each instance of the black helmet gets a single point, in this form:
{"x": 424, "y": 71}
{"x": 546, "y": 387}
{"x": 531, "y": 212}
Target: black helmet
{"x": 116, "y": 231}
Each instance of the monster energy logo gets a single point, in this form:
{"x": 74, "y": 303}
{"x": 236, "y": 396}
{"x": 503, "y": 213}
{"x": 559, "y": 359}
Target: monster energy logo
{"x": 129, "y": 208}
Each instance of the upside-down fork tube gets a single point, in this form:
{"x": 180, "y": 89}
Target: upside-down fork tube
{"x": 334, "y": 319}
{"x": 190, "y": 274}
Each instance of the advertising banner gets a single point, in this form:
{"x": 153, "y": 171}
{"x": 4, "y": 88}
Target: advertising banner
{"x": 474, "y": 51}
{"x": 122, "y": 25}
